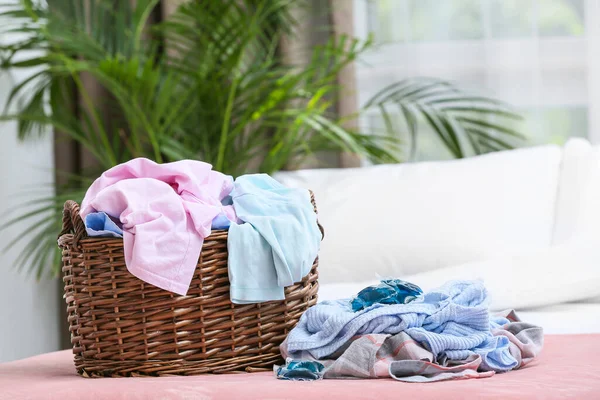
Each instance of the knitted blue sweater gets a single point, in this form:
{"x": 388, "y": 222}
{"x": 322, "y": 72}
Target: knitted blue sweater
{"x": 452, "y": 321}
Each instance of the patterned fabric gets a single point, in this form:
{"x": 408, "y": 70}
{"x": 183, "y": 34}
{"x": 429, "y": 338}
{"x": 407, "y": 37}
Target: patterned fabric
{"x": 388, "y": 291}
{"x": 300, "y": 371}
{"x": 405, "y": 359}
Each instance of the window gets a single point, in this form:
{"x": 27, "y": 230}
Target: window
{"x": 542, "y": 56}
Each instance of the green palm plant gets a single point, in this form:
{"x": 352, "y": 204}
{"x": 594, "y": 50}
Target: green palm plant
{"x": 208, "y": 83}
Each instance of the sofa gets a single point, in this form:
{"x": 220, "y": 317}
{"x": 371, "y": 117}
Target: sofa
{"x": 526, "y": 222}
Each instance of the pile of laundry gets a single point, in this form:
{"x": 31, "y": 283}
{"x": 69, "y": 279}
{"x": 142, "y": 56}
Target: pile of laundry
{"x": 393, "y": 330}
{"x": 164, "y": 212}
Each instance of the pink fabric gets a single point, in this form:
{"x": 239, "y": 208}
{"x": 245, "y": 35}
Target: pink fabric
{"x": 166, "y": 211}
{"x": 567, "y": 368}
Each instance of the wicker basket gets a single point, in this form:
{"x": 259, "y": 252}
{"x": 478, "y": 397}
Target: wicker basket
{"x": 122, "y": 326}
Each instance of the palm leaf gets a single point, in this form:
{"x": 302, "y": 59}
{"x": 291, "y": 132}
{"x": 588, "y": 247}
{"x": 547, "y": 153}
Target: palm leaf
{"x": 465, "y": 123}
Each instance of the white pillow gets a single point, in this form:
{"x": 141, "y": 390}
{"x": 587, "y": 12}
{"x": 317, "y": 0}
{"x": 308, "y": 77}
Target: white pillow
{"x": 578, "y": 201}
{"x": 395, "y": 220}
{"x": 563, "y": 273}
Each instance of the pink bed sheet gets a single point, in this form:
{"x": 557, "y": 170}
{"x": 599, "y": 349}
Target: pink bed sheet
{"x": 567, "y": 368}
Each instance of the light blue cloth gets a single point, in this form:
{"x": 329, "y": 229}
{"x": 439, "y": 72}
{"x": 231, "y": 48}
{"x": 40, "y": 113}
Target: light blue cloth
{"x": 277, "y": 244}
{"x": 494, "y": 350}
{"x": 221, "y": 221}
{"x": 99, "y": 224}
{"x": 452, "y": 321}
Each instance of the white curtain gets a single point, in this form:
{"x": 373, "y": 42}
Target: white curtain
{"x": 542, "y": 56}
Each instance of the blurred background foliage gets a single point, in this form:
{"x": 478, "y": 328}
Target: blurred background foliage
{"x": 208, "y": 83}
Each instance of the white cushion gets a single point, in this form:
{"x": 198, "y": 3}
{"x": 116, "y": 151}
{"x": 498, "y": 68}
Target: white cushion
{"x": 578, "y": 201}
{"x": 395, "y": 220}
{"x": 562, "y": 273}
{"x": 558, "y": 274}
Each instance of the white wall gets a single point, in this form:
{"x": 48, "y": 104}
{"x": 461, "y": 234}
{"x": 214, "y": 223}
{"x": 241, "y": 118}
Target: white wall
{"x": 29, "y": 310}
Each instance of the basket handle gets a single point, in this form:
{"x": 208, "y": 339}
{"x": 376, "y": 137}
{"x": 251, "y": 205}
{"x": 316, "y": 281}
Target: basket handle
{"x": 314, "y": 204}
{"x": 72, "y": 222}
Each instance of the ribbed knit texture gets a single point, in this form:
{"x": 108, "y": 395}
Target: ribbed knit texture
{"x": 452, "y": 321}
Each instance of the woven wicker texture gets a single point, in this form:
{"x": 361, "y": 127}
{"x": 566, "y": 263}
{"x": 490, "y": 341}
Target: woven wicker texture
{"x": 122, "y": 326}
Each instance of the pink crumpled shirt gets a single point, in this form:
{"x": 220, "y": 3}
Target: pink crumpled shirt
{"x": 166, "y": 211}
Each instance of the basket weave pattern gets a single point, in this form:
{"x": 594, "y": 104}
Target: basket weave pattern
{"x": 122, "y": 326}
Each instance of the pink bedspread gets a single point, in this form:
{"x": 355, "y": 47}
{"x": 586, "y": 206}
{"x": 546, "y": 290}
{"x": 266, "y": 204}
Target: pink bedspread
{"x": 568, "y": 368}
